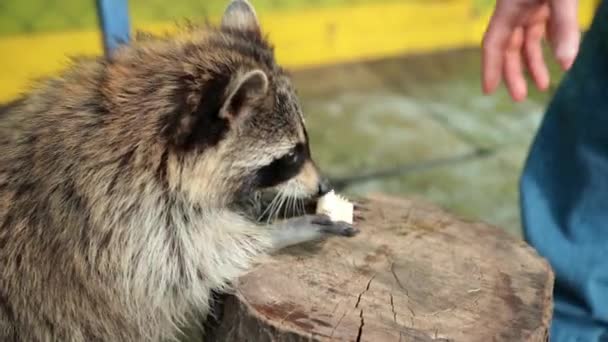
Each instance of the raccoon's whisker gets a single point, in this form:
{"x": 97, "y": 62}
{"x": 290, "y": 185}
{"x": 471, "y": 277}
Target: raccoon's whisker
{"x": 296, "y": 202}
{"x": 291, "y": 202}
{"x": 268, "y": 209}
{"x": 281, "y": 205}
{"x": 265, "y": 211}
{"x": 271, "y": 208}
{"x": 286, "y": 207}
{"x": 275, "y": 207}
{"x": 301, "y": 208}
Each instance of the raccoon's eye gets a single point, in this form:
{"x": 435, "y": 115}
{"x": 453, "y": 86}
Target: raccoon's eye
{"x": 296, "y": 156}
{"x": 291, "y": 157}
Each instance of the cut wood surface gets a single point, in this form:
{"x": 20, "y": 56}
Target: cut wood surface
{"x": 414, "y": 273}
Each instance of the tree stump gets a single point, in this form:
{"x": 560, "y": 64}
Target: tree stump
{"x": 414, "y": 273}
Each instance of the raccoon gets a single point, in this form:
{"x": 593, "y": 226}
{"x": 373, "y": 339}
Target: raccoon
{"x": 122, "y": 184}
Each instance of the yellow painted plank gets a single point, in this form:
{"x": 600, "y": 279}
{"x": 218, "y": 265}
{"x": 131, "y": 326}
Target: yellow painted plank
{"x": 303, "y": 38}
{"x": 23, "y": 58}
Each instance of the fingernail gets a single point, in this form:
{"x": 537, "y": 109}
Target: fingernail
{"x": 566, "y": 54}
{"x": 566, "y": 64}
{"x": 544, "y": 84}
{"x": 518, "y": 96}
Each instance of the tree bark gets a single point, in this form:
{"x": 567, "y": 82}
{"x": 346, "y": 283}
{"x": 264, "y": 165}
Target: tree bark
{"x": 414, "y": 273}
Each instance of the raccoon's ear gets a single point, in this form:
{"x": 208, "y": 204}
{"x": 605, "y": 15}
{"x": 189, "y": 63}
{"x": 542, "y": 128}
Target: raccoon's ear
{"x": 247, "y": 90}
{"x": 240, "y": 16}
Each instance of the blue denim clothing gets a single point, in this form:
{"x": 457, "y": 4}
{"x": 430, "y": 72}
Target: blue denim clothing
{"x": 564, "y": 191}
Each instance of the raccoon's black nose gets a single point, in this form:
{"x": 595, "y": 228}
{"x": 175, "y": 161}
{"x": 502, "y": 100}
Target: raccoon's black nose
{"x": 324, "y": 187}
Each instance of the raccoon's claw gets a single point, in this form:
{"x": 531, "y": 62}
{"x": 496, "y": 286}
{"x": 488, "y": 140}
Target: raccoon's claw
{"x": 341, "y": 229}
{"x": 327, "y": 226}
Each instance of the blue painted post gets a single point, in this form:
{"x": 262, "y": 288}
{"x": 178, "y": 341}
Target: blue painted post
{"x": 114, "y": 23}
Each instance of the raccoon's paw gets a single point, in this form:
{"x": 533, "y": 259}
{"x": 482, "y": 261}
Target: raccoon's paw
{"x": 327, "y": 226}
{"x": 307, "y": 228}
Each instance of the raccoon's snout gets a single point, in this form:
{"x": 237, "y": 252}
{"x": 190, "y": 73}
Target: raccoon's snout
{"x": 311, "y": 181}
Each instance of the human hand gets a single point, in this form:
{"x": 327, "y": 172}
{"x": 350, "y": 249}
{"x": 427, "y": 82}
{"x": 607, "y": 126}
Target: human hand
{"x": 513, "y": 41}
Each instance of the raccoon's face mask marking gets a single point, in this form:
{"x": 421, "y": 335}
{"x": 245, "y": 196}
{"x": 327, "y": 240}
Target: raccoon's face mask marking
{"x": 294, "y": 173}
{"x": 284, "y": 168}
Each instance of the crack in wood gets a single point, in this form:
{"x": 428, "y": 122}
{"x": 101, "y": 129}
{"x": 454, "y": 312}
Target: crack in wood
{"x": 399, "y": 280}
{"x": 336, "y": 307}
{"x": 393, "y": 309}
{"x": 369, "y": 283}
{"x": 413, "y": 315}
{"x": 360, "y": 327}
{"x": 333, "y": 331}
{"x": 407, "y": 293}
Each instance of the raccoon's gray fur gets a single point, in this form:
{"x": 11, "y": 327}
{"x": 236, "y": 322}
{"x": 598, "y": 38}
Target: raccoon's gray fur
{"x": 120, "y": 183}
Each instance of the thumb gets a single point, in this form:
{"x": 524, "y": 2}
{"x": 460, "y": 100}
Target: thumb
{"x": 564, "y": 31}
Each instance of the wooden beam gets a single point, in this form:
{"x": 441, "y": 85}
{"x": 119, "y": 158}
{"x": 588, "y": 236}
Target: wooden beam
{"x": 114, "y": 23}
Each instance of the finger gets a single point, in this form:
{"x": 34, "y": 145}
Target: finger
{"x": 321, "y": 220}
{"x": 495, "y": 41}
{"x": 513, "y": 71}
{"x": 534, "y": 56}
{"x": 564, "y": 31}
